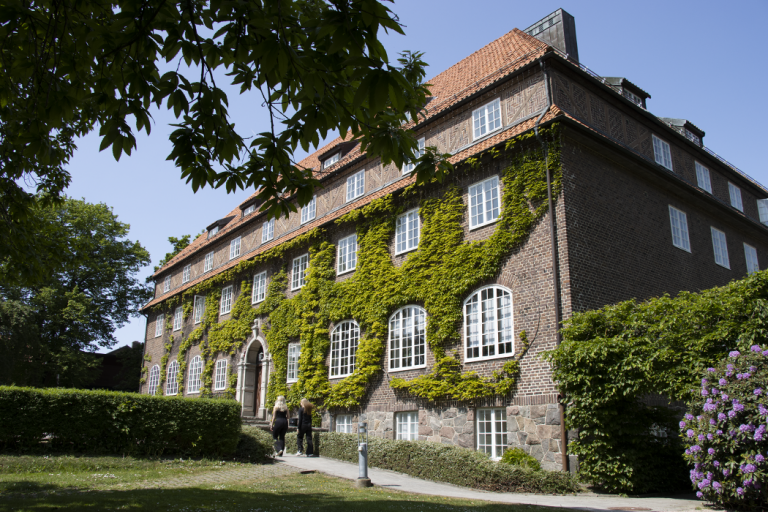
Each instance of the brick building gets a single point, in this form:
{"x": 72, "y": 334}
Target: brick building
{"x": 642, "y": 207}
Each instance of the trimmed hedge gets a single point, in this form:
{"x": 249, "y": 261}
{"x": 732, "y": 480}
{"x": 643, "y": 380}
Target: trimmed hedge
{"x": 78, "y": 421}
{"x": 255, "y": 445}
{"x": 441, "y": 463}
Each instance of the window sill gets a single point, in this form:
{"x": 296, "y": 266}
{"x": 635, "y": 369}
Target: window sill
{"x": 225, "y": 312}
{"x": 291, "y": 381}
{"x": 485, "y": 135}
{"x": 406, "y": 251}
{"x": 682, "y": 248}
{"x": 174, "y": 330}
{"x": 193, "y": 392}
{"x": 338, "y": 377}
{"x": 340, "y": 273}
{"x": 350, "y": 199}
{"x": 307, "y": 221}
{"x": 721, "y": 265}
{"x": 198, "y": 322}
{"x": 257, "y": 301}
{"x": 488, "y": 358}
{"x": 220, "y": 389}
{"x": 297, "y": 288}
{"x": 488, "y": 223}
{"x": 395, "y": 370}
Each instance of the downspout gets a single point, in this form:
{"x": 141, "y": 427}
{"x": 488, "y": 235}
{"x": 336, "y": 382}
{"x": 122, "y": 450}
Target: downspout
{"x": 555, "y": 269}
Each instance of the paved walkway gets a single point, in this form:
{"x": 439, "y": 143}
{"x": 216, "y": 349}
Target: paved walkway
{"x": 401, "y": 482}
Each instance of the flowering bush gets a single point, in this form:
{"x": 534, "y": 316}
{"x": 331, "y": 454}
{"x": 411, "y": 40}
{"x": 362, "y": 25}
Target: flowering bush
{"x": 725, "y": 432}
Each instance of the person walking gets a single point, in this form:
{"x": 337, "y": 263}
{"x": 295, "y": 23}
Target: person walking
{"x": 279, "y": 425}
{"x": 305, "y": 427}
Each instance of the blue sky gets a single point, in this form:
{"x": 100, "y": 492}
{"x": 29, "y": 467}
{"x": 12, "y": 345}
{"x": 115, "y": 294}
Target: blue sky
{"x": 698, "y": 60}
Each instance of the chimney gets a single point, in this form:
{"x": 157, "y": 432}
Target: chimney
{"x": 557, "y": 30}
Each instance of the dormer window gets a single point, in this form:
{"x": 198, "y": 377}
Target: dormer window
{"x": 249, "y": 210}
{"x": 634, "y": 98}
{"x": 692, "y": 136}
{"x": 212, "y": 232}
{"x": 331, "y": 160}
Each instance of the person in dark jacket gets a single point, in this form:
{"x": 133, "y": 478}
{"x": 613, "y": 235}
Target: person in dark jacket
{"x": 279, "y": 425}
{"x": 305, "y": 427}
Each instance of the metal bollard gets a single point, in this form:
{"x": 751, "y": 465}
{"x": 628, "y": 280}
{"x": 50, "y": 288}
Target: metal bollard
{"x": 362, "y": 455}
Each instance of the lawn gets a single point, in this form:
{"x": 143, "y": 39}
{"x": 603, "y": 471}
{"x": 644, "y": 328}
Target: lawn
{"x": 29, "y": 483}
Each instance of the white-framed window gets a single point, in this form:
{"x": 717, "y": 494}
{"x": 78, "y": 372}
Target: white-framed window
{"x": 186, "y": 273}
{"x": 154, "y": 379}
{"x": 702, "y": 178}
{"x": 199, "y": 309}
{"x": 750, "y": 254}
{"x": 346, "y": 257}
{"x": 249, "y": 210}
{"x": 356, "y": 185}
{"x": 488, "y": 329}
{"x": 409, "y": 166}
{"x": 692, "y": 136}
{"x": 344, "y": 339}
{"x": 220, "y": 379}
{"x": 294, "y": 351}
{"x": 234, "y": 248}
{"x": 267, "y": 231}
{"x": 331, "y": 160}
{"x": 299, "y": 272}
{"x": 484, "y": 202}
{"x": 195, "y": 370}
{"x": 678, "y": 221}
{"x": 634, "y": 98}
{"x": 492, "y": 432}
{"x": 486, "y": 119}
{"x": 212, "y": 232}
{"x": 762, "y": 210}
{"x": 407, "y": 232}
{"x": 735, "y": 193}
{"x": 178, "y": 316}
{"x": 344, "y": 424}
{"x": 159, "y": 325}
{"x": 208, "y": 265}
{"x": 661, "y": 153}
{"x": 720, "y": 247}
{"x": 407, "y": 425}
{"x": 407, "y": 338}
{"x": 259, "y": 292}
{"x": 226, "y": 300}
{"x": 308, "y": 211}
{"x": 167, "y": 284}
{"x": 171, "y": 384}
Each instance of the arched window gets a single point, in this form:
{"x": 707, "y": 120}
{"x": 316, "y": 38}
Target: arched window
{"x": 488, "y": 323}
{"x": 171, "y": 384}
{"x": 407, "y": 338}
{"x": 220, "y": 381}
{"x": 195, "y": 369}
{"x": 154, "y": 379}
{"x": 344, "y": 340}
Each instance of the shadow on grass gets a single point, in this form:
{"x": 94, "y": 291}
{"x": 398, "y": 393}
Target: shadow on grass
{"x": 26, "y": 487}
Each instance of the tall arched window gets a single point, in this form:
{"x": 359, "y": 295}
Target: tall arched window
{"x": 154, "y": 379}
{"x": 195, "y": 369}
{"x": 171, "y": 384}
{"x": 344, "y": 340}
{"x": 407, "y": 338}
{"x": 488, "y": 323}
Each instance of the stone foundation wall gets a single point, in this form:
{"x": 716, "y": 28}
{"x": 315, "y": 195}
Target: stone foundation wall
{"x": 536, "y": 430}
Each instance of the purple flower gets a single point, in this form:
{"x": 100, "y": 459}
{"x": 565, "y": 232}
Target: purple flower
{"x": 724, "y": 396}
{"x": 722, "y": 382}
{"x": 728, "y": 373}
{"x": 687, "y": 451}
{"x": 721, "y": 416}
{"x": 739, "y": 376}
{"x": 738, "y": 407}
{"x": 716, "y": 485}
{"x": 762, "y": 409}
{"x": 758, "y": 391}
{"x": 755, "y": 348}
{"x": 731, "y": 414}
{"x": 716, "y": 464}
{"x": 746, "y": 375}
{"x": 712, "y": 421}
{"x": 701, "y": 437}
{"x": 719, "y": 432}
{"x": 695, "y": 448}
{"x": 710, "y": 437}
{"x": 759, "y": 458}
{"x": 709, "y": 407}
{"x": 749, "y": 468}
{"x": 765, "y": 352}
{"x": 689, "y": 417}
{"x": 690, "y": 432}
{"x": 759, "y": 436}
{"x": 729, "y": 366}
{"x": 726, "y": 472}
{"x": 711, "y": 370}
{"x": 753, "y": 369}
{"x": 734, "y": 354}
{"x": 699, "y": 494}
{"x": 682, "y": 424}
{"x": 711, "y": 451}
{"x": 704, "y": 392}
{"x": 740, "y": 491}
{"x": 744, "y": 428}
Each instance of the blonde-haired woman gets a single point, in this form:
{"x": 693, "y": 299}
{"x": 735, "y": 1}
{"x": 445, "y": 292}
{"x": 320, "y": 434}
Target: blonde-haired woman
{"x": 279, "y": 424}
{"x": 305, "y": 427}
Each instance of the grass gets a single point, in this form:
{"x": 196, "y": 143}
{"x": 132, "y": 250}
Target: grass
{"x": 36, "y": 484}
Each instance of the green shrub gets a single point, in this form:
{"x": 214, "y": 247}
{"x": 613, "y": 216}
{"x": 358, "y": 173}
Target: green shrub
{"x": 517, "y": 457}
{"x": 82, "y": 421}
{"x": 255, "y": 445}
{"x": 725, "y": 431}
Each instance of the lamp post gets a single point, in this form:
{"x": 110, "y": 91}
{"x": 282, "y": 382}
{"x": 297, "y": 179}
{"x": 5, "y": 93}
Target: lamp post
{"x": 362, "y": 455}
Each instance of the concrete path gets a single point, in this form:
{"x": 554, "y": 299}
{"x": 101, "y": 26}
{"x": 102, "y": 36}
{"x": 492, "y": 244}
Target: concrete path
{"x": 401, "y": 482}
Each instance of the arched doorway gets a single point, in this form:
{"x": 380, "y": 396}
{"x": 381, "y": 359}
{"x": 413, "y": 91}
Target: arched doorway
{"x": 253, "y": 372}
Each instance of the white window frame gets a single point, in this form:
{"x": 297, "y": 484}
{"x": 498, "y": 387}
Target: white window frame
{"x": 662, "y": 153}
{"x": 249, "y": 210}
{"x": 488, "y": 194}
{"x": 299, "y": 271}
{"x": 309, "y": 210}
{"x": 195, "y": 371}
{"x": 178, "y": 318}
{"x": 486, "y": 119}
{"x": 634, "y": 98}
{"x": 220, "y": 379}
{"x": 331, "y": 160}
{"x": 159, "y": 325}
{"x": 762, "y": 210}
{"x": 294, "y": 353}
{"x": 356, "y": 185}
{"x": 407, "y": 232}
{"x": 154, "y": 380}
{"x": 345, "y": 338}
{"x": 409, "y": 166}
{"x": 167, "y": 284}
{"x": 703, "y": 178}
{"x": 344, "y": 424}
{"x": 171, "y": 382}
{"x": 494, "y": 344}
{"x": 346, "y": 255}
{"x": 407, "y": 425}
{"x": 734, "y": 192}
{"x": 720, "y": 248}
{"x": 234, "y": 248}
{"x": 226, "y": 299}
{"x": 213, "y": 231}
{"x": 407, "y": 344}
{"x": 259, "y": 289}
{"x": 267, "y": 231}
{"x": 491, "y": 428}
{"x": 198, "y": 309}
{"x": 208, "y": 265}
{"x": 186, "y": 273}
{"x": 678, "y": 222}
{"x": 750, "y": 255}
